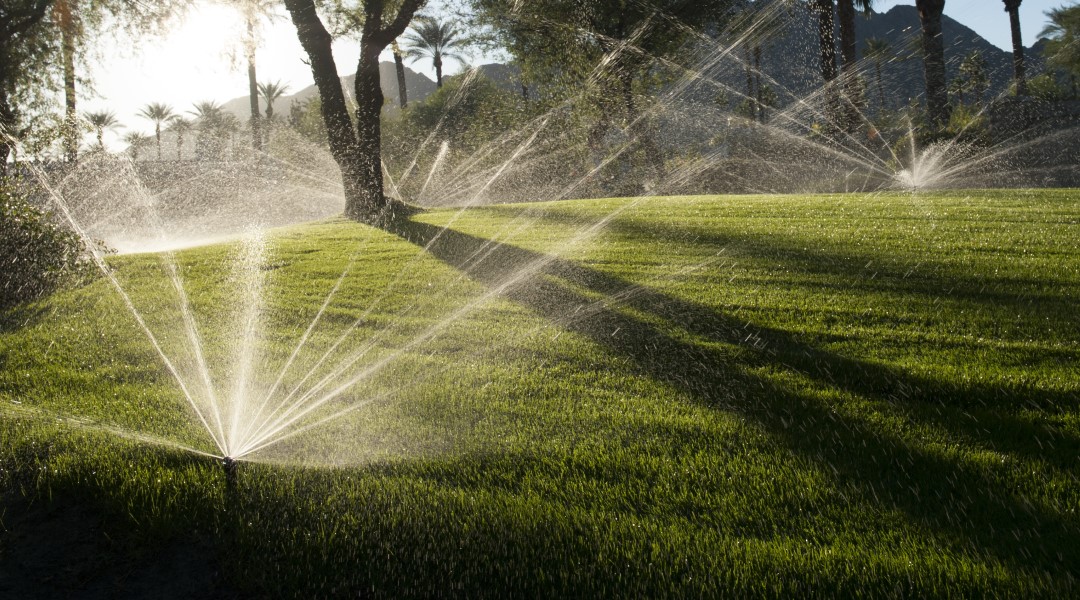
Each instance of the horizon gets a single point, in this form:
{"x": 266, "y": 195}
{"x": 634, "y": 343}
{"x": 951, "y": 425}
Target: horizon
{"x": 201, "y": 59}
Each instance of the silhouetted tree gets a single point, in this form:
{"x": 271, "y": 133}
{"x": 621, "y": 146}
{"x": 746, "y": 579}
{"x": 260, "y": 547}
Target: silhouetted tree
{"x": 180, "y": 126}
{"x": 135, "y": 141}
{"x": 435, "y": 40}
{"x": 102, "y": 121}
{"x": 357, "y": 152}
{"x": 270, "y": 91}
{"x": 158, "y": 113}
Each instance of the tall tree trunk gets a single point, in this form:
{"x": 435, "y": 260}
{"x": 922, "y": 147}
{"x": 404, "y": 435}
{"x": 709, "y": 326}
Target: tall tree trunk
{"x": 157, "y": 135}
{"x": 438, "y": 70}
{"x": 369, "y": 99}
{"x": 66, "y": 20}
{"x": 845, "y": 10}
{"x": 316, "y": 41}
{"x": 253, "y": 85}
{"x": 824, "y": 9}
{"x": 937, "y": 97}
{"x": 399, "y": 66}
{"x": 1013, "y": 8}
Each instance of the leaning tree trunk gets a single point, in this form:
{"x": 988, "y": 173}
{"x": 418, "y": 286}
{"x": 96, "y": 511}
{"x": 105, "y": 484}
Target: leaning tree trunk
{"x": 399, "y": 66}
{"x": 1013, "y": 8}
{"x": 937, "y": 97}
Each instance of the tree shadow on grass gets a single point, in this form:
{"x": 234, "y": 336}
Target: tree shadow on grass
{"x": 980, "y": 412}
{"x": 966, "y": 502}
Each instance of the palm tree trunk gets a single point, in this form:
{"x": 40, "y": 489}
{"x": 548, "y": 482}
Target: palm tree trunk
{"x": 848, "y": 55}
{"x": 157, "y": 134}
{"x": 1018, "y": 50}
{"x": 67, "y": 36}
{"x": 253, "y": 86}
{"x": 825, "y": 39}
{"x": 937, "y": 97}
{"x": 438, "y": 70}
{"x": 399, "y": 66}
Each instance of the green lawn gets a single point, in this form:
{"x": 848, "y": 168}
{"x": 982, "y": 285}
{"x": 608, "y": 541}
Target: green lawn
{"x": 840, "y": 395}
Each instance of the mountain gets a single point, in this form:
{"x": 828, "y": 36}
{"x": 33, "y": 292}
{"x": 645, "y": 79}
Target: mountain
{"x": 790, "y": 58}
{"x": 417, "y": 86}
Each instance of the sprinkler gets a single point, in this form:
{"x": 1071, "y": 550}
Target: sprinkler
{"x": 230, "y": 466}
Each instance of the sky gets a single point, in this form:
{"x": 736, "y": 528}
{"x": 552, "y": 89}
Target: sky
{"x": 201, "y": 59}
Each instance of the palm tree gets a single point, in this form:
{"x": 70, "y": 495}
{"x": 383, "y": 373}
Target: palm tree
{"x": 135, "y": 141}
{"x": 434, "y": 39}
{"x": 877, "y": 50}
{"x": 158, "y": 113}
{"x": 101, "y": 121}
{"x": 270, "y": 91}
{"x": 1063, "y": 41}
{"x": 208, "y": 117}
{"x": 1013, "y": 8}
{"x": 180, "y": 126}
{"x": 937, "y": 96}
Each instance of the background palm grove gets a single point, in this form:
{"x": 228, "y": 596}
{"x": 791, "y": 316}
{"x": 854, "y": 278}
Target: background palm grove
{"x": 769, "y": 298}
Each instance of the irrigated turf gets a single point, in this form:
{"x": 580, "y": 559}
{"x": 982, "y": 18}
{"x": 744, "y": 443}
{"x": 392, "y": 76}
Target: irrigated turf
{"x": 844, "y": 395}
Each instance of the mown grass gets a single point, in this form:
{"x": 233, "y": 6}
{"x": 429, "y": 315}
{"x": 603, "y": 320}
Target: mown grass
{"x": 845, "y": 395}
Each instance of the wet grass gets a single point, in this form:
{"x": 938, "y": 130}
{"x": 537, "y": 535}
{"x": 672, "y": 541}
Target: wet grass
{"x": 759, "y": 396}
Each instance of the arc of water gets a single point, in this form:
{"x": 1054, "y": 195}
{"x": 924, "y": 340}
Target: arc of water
{"x": 254, "y": 249}
{"x": 104, "y": 268}
{"x": 336, "y": 372}
{"x": 301, "y": 343}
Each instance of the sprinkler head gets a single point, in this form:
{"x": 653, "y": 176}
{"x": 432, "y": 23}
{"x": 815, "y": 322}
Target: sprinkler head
{"x": 230, "y": 465}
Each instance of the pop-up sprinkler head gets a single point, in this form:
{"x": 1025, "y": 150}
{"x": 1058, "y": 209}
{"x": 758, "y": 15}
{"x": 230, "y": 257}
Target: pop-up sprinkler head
{"x": 230, "y": 465}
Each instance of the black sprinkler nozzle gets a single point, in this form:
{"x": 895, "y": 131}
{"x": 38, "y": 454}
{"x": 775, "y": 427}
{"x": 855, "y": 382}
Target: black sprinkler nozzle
{"x": 230, "y": 465}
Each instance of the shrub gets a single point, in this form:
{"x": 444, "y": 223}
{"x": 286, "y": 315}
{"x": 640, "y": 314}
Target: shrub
{"x": 36, "y": 254}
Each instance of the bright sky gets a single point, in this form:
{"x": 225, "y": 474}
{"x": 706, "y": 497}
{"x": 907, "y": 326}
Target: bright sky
{"x": 202, "y": 58}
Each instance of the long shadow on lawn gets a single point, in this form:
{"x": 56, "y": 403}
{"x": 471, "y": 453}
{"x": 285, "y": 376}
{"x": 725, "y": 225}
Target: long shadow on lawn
{"x": 966, "y": 502}
{"x": 981, "y": 413}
